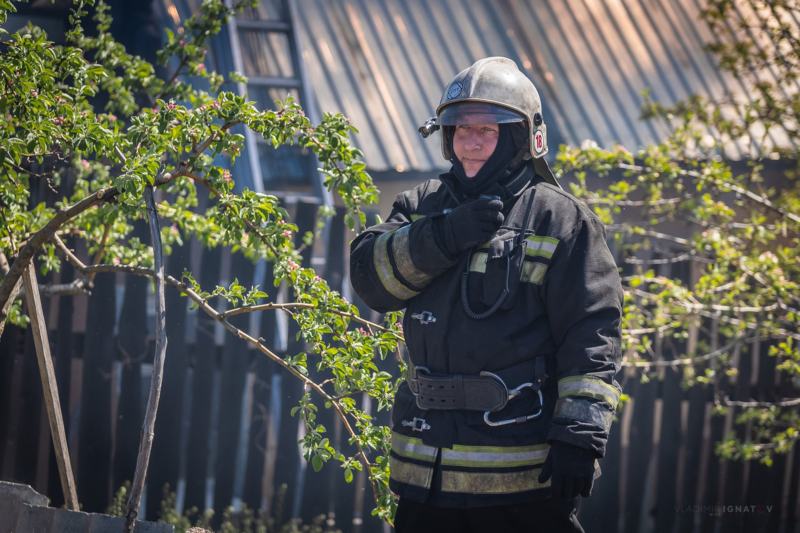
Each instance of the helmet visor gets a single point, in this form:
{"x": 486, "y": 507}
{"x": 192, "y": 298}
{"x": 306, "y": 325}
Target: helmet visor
{"x": 477, "y": 113}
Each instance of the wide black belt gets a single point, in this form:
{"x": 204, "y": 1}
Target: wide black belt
{"x": 486, "y": 392}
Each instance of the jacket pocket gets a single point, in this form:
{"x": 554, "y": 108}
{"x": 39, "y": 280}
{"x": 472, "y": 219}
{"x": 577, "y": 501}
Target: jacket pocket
{"x": 502, "y": 266}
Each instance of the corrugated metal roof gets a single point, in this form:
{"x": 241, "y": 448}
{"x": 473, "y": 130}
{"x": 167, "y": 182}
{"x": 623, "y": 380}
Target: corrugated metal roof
{"x": 384, "y": 64}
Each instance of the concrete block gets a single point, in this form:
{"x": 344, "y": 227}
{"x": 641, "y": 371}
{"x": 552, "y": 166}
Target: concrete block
{"x": 23, "y": 510}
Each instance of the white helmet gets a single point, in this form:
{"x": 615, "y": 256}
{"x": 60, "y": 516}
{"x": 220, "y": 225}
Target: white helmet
{"x": 493, "y": 91}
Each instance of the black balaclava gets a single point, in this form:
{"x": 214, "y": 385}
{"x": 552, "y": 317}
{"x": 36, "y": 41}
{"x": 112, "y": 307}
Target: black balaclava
{"x": 494, "y": 170}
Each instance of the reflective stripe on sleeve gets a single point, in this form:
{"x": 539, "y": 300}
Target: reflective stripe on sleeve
{"x": 410, "y": 473}
{"x": 588, "y": 386}
{"x": 478, "y": 262}
{"x": 585, "y": 411}
{"x": 495, "y": 456}
{"x": 413, "y": 448}
{"x": 541, "y": 246}
{"x": 533, "y": 272}
{"x": 401, "y": 250}
{"x": 385, "y": 271}
{"x": 492, "y": 482}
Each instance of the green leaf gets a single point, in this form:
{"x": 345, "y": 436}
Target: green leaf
{"x": 348, "y": 475}
{"x": 316, "y": 462}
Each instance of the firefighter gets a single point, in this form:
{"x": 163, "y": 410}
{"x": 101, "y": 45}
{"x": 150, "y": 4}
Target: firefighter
{"x": 512, "y": 322}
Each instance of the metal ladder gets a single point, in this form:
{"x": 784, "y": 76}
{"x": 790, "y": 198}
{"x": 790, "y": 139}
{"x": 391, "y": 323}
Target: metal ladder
{"x": 285, "y": 25}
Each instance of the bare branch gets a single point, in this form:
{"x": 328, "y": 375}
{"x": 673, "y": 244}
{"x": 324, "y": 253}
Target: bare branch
{"x": 783, "y": 403}
{"x": 297, "y": 305}
{"x": 101, "y": 249}
{"x": 76, "y": 288}
{"x": 669, "y": 260}
{"x": 687, "y": 361}
{"x": 741, "y": 190}
{"x": 146, "y": 435}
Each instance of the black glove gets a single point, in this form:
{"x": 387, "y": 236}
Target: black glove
{"x": 572, "y": 469}
{"x": 470, "y": 224}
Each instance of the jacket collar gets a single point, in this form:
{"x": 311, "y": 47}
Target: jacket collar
{"x": 516, "y": 185}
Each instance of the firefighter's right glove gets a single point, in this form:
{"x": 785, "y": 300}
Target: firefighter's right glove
{"x": 470, "y": 224}
{"x": 572, "y": 470}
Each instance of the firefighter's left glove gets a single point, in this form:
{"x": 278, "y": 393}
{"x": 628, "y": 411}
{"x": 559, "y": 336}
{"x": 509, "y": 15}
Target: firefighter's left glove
{"x": 572, "y": 471}
{"x": 469, "y": 225}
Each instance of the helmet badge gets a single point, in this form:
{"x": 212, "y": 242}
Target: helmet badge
{"x": 454, "y": 90}
{"x": 538, "y": 142}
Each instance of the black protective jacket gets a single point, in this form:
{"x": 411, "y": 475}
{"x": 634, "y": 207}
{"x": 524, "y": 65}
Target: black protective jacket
{"x": 563, "y": 312}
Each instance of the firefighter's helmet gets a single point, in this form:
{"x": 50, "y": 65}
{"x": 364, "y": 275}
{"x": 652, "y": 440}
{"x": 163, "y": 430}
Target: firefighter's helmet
{"x": 492, "y": 90}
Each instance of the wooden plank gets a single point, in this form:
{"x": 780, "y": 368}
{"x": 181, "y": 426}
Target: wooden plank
{"x": 235, "y": 363}
{"x": 132, "y": 347}
{"x": 93, "y": 468}
{"x": 165, "y": 459}
{"x": 288, "y": 464}
{"x": 50, "y": 386}
{"x": 258, "y": 481}
{"x": 30, "y": 400}
{"x": 63, "y": 364}
{"x": 205, "y": 363}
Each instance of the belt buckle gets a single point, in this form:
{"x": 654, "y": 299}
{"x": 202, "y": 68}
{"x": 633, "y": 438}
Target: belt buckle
{"x": 415, "y": 384}
{"x": 511, "y": 395}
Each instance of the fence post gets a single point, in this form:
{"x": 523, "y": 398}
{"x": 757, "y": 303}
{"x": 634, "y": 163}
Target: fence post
{"x": 49, "y": 385}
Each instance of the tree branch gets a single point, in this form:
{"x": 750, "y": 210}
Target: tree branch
{"x": 687, "y": 361}
{"x": 146, "y": 436}
{"x": 783, "y": 403}
{"x": 213, "y": 313}
{"x": 297, "y": 305}
{"x": 76, "y": 288}
{"x": 741, "y": 190}
{"x": 101, "y": 249}
{"x": 10, "y": 281}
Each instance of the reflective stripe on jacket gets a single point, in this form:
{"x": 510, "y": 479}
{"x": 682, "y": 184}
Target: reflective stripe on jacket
{"x": 565, "y": 304}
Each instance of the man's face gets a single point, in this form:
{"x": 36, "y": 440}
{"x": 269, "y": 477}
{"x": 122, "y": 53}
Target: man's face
{"x": 473, "y": 144}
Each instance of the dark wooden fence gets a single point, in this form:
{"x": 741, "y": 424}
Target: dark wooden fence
{"x": 224, "y": 434}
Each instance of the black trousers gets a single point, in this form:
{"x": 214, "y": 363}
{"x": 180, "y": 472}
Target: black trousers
{"x": 547, "y": 516}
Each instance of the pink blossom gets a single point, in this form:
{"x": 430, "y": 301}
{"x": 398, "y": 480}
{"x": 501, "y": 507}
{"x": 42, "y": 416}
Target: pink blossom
{"x": 112, "y": 118}
{"x": 318, "y": 279}
{"x": 205, "y": 51}
{"x": 226, "y": 175}
{"x": 362, "y": 331}
{"x": 286, "y": 233}
{"x": 10, "y": 117}
{"x": 174, "y": 229}
{"x": 281, "y": 222}
{"x": 154, "y": 111}
{"x": 175, "y": 81}
{"x": 201, "y": 67}
{"x": 182, "y": 43}
{"x": 34, "y": 93}
{"x": 400, "y": 327}
{"x": 85, "y": 164}
{"x": 115, "y": 260}
{"x": 293, "y": 266}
